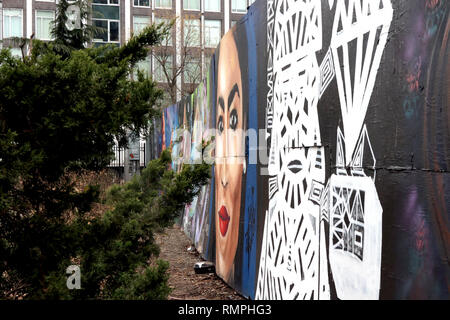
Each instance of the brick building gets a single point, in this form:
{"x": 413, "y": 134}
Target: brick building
{"x": 205, "y": 20}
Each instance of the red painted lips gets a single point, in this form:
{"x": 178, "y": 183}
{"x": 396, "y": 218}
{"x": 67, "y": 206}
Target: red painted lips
{"x": 224, "y": 220}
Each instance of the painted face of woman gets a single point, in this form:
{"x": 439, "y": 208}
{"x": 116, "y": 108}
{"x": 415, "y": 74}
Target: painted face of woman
{"x": 229, "y": 152}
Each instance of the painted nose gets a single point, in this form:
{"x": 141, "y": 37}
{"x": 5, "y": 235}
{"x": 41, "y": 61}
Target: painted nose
{"x": 223, "y": 180}
{"x": 223, "y": 173}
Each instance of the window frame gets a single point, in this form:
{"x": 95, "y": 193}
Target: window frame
{"x": 141, "y": 16}
{"x": 149, "y": 72}
{"x": 236, "y": 11}
{"x": 156, "y": 65}
{"x": 161, "y": 7}
{"x": 209, "y": 28}
{"x": 36, "y": 23}
{"x": 158, "y": 20}
{"x": 107, "y": 4}
{"x": 208, "y": 1}
{"x": 109, "y": 28}
{"x": 190, "y": 9}
{"x": 3, "y": 22}
{"x": 142, "y": 6}
{"x": 191, "y": 60}
{"x": 198, "y": 43}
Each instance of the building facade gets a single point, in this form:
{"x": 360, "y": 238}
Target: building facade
{"x": 202, "y": 22}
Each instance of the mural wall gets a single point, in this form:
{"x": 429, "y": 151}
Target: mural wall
{"x": 330, "y": 134}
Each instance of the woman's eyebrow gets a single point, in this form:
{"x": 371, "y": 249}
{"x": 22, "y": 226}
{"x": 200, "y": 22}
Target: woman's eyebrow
{"x": 234, "y": 90}
{"x": 222, "y": 103}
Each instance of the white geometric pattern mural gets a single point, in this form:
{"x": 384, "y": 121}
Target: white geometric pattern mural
{"x": 295, "y": 254}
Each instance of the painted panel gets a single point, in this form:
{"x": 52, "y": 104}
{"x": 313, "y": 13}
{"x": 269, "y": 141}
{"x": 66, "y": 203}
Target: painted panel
{"x": 329, "y": 130}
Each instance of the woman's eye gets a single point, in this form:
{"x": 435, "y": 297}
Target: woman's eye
{"x": 233, "y": 119}
{"x": 220, "y": 124}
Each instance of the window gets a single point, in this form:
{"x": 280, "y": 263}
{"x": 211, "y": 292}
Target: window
{"x": 139, "y": 23}
{"x": 191, "y": 32}
{"x": 44, "y": 21}
{"x": 212, "y": 5}
{"x": 167, "y": 41}
{"x": 144, "y": 67}
{"x": 191, "y": 72}
{"x": 213, "y": 32}
{"x": 110, "y": 31}
{"x": 142, "y": 3}
{"x": 115, "y": 2}
{"x": 239, "y": 6}
{"x": 158, "y": 73}
{"x": 12, "y": 23}
{"x": 165, "y": 4}
{"x": 233, "y": 22}
{"x": 191, "y": 4}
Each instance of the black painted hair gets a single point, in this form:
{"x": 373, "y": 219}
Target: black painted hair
{"x": 240, "y": 39}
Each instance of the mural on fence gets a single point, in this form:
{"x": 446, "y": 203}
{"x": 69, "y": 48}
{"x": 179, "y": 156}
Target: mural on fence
{"x": 329, "y": 130}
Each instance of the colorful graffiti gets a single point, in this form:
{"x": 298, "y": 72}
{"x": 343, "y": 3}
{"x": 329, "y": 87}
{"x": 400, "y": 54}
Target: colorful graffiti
{"x": 322, "y": 185}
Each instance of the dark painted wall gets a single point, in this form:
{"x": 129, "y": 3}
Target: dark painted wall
{"x": 352, "y": 106}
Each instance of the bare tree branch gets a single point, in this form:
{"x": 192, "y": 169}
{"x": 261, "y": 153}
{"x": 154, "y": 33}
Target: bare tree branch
{"x": 168, "y": 71}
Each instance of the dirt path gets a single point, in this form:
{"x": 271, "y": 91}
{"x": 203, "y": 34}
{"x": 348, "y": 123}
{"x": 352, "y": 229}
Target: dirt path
{"x": 186, "y": 284}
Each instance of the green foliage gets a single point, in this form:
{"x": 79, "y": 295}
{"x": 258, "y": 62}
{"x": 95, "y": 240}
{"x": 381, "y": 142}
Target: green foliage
{"x": 150, "y": 285}
{"x": 60, "y": 110}
{"x": 115, "y": 250}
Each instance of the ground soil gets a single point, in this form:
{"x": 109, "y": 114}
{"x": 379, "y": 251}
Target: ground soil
{"x": 177, "y": 249}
